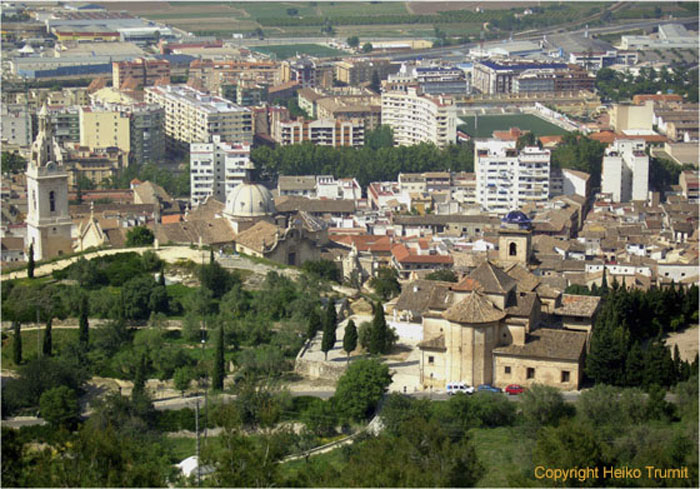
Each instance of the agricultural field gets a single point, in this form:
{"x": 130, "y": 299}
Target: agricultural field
{"x": 489, "y": 123}
{"x": 291, "y": 50}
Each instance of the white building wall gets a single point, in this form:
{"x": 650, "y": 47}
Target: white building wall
{"x": 626, "y": 171}
{"x": 573, "y": 184}
{"x": 216, "y": 168}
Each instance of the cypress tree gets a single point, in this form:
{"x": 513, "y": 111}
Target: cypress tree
{"x": 313, "y": 324}
{"x": 379, "y": 334}
{"x": 17, "y": 342}
{"x": 677, "y": 362}
{"x": 30, "y": 261}
{"x": 161, "y": 278}
{"x": 84, "y": 334}
{"x": 139, "y": 378}
{"x": 48, "y": 339}
{"x": 350, "y": 338}
{"x": 217, "y": 377}
{"x": 330, "y": 321}
{"x": 211, "y": 256}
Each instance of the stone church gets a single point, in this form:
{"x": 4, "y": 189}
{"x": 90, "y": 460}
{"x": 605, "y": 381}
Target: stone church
{"x": 48, "y": 221}
{"x": 490, "y": 327}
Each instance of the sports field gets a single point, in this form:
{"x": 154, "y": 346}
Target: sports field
{"x": 291, "y": 50}
{"x": 489, "y": 123}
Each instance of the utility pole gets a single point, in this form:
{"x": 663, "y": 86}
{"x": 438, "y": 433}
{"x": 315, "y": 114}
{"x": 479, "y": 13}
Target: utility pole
{"x": 38, "y": 333}
{"x": 196, "y": 424}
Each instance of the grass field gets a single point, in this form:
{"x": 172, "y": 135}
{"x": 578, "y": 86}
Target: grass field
{"x": 489, "y": 123}
{"x": 60, "y": 337}
{"x": 290, "y": 50}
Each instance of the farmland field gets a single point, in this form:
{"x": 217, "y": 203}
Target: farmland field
{"x": 290, "y": 50}
{"x": 489, "y": 123}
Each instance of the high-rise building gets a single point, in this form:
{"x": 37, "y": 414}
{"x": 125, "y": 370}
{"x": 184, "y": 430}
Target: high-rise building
{"x": 216, "y": 168}
{"x": 16, "y": 125}
{"x": 65, "y": 122}
{"x": 416, "y": 118}
{"x": 626, "y": 171}
{"x": 506, "y": 178}
{"x": 194, "y": 117}
{"x": 146, "y": 128}
{"x": 48, "y": 221}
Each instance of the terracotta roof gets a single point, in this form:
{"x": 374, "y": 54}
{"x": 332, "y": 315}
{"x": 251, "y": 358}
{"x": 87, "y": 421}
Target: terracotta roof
{"x": 365, "y": 242}
{"x": 554, "y": 344}
{"x": 437, "y": 343}
{"x": 170, "y": 218}
{"x": 213, "y": 232}
{"x": 467, "y": 284}
{"x": 207, "y": 210}
{"x": 550, "y": 140}
{"x": 403, "y": 255}
{"x": 474, "y": 309}
{"x": 116, "y": 237}
{"x": 578, "y": 305}
{"x": 492, "y": 279}
{"x": 262, "y": 233}
{"x": 547, "y": 291}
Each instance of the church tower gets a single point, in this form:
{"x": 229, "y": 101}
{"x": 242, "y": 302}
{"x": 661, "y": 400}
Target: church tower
{"x": 515, "y": 239}
{"x": 48, "y": 221}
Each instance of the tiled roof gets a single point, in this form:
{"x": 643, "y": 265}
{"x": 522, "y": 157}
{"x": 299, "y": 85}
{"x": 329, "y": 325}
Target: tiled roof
{"x": 554, "y": 344}
{"x": 365, "y": 242}
{"x": 578, "y": 305}
{"x": 403, "y": 255}
{"x": 467, "y": 284}
{"x": 262, "y": 233}
{"x": 474, "y": 309}
{"x": 419, "y": 295}
{"x": 524, "y": 280}
{"x": 492, "y": 279}
{"x": 296, "y": 183}
{"x": 212, "y": 232}
{"x": 291, "y": 203}
{"x": 524, "y": 303}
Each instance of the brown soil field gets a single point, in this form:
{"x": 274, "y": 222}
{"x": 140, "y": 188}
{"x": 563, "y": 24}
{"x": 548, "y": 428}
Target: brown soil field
{"x": 422, "y": 8}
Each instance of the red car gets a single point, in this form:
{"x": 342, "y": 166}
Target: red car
{"x": 514, "y": 389}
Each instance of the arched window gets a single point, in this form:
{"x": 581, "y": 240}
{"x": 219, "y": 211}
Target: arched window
{"x": 512, "y": 249}
{"x": 52, "y": 201}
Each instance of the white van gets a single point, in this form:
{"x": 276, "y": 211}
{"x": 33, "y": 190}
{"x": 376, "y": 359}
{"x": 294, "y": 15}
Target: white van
{"x": 455, "y": 387}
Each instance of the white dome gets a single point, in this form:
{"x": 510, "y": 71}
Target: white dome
{"x": 249, "y": 200}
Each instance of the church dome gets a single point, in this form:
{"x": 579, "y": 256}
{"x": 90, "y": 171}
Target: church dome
{"x": 250, "y": 200}
{"x": 516, "y": 219}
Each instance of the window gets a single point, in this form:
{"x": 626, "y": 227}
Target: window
{"x": 512, "y": 249}
{"x": 52, "y": 201}
{"x": 530, "y": 373}
{"x": 565, "y": 375}
{"x": 507, "y": 370}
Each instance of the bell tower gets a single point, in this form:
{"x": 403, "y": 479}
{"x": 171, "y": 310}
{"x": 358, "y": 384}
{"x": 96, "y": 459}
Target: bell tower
{"x": 515, "y": 238}
{"x": 48, "y": 221}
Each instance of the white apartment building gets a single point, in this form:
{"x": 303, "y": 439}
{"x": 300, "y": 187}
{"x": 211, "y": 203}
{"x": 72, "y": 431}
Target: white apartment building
{"x": 324, "y": 132}
{"x": 216, "y": 168}
{"x": 506, "y": 178}
{"x": 194, "y": 117}
{"x": 626, "y": 171}
{"x": 416, "y": 118}
{"x": 16, "y": 125}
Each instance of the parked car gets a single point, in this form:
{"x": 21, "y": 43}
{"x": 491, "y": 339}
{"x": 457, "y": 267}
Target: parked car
{"x": 488, "y": 388}
{"x": 455, "y": 387}
{"x": 514, "y": 389}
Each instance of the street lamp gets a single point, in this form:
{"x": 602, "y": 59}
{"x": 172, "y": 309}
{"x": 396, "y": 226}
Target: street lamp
{"x": 206, "y": 417}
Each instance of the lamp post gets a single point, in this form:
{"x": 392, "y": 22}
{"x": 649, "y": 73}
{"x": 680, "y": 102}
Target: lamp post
{"x": 206, "y": 417}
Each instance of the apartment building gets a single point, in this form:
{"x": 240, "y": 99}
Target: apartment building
{"x": 216, "y": 168}
{"x": 553, "y": 80}
{"x": 507, "y": 179}
{"x": 146, "y": 131}
{"x": 325, "y": 132}
{"x": 145, "y": 71}
{"x": 194, "y": 117}
{"x": 432, "y": 79}
{"x": 354, "y": 72}
{"x": 301, "y": 70}
{"x": 65, "y": 121}
{"x": 16, "y": 125}
{"x": 213, "y": 74}
{"x": 417, "y": 118}
{"x": 104, "y": 127}
{"x": 626, "y": 171}
{"x": 689, "y": 184}
{"x": 491, "y": 77}
{"x": 95, "y": 165}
